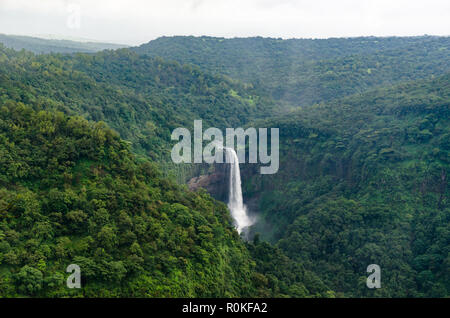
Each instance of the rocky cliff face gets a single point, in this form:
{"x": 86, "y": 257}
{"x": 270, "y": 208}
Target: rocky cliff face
{"x": 216, "y": 182}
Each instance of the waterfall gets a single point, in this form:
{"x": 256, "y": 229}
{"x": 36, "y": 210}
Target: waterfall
{"x": 235, "y": 201}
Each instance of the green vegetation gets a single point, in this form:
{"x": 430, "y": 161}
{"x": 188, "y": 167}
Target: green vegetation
{"x": 142, "y": 98}
{"x": 307, "y": 71}
{"x": 364, "y": 180}
{"x": 364, "y": 166}
{"x": 71, "y": 192}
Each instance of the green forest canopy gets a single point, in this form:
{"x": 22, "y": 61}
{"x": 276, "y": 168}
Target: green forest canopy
{"x": 363, "y": 174}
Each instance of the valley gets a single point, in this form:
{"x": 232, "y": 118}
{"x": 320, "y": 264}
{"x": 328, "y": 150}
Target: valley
{"x": 86, "y": 174}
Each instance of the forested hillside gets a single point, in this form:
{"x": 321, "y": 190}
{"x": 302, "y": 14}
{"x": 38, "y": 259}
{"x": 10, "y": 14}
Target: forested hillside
{"x": 140, "y": 97}
{"x": 71, "y": 192}
{"x": 364, "y": 180}
{"x": 306, "y": 71}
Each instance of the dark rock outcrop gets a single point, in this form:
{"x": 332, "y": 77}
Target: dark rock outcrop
{"x": 215, "y": 183}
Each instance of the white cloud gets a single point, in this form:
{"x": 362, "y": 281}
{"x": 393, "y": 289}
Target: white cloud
{"x": 137, "y": 21}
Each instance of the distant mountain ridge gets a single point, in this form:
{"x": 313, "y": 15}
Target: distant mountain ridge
{"x": 41, "y": 46}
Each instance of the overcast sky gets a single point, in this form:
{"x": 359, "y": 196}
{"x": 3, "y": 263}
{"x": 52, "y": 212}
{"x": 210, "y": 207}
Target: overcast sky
{"x": 139, "y": 21}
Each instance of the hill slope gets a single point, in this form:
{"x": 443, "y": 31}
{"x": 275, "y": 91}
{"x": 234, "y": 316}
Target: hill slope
{"x": 71, "y": 192}
{"x": 364, "y": 180}
{"x": 140, "y": 97}
{"x": 306, "y": 71}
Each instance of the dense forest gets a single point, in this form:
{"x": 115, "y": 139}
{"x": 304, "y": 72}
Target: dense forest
{"x": 86, "y": 178}
{"x": 307, "y": 71}
{"x": 364, "y": 180}
{"x": 72, "y": 192}
{"x": 140, "y": 97}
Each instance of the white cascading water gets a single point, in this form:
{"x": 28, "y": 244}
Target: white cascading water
{"x": 235, "y": 201}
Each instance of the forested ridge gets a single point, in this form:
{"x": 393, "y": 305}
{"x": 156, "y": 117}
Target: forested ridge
{"x": 40, "y": 45}
{"x": 363, "y": 179}
{"x": 140, "y": 97}
{"x": 306, "y": 71}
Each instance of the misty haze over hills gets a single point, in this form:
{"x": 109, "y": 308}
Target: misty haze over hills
{"x": 43, "y": 45}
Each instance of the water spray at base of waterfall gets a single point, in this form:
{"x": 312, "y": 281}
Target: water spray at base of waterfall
{"x": 235, "y": 200}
